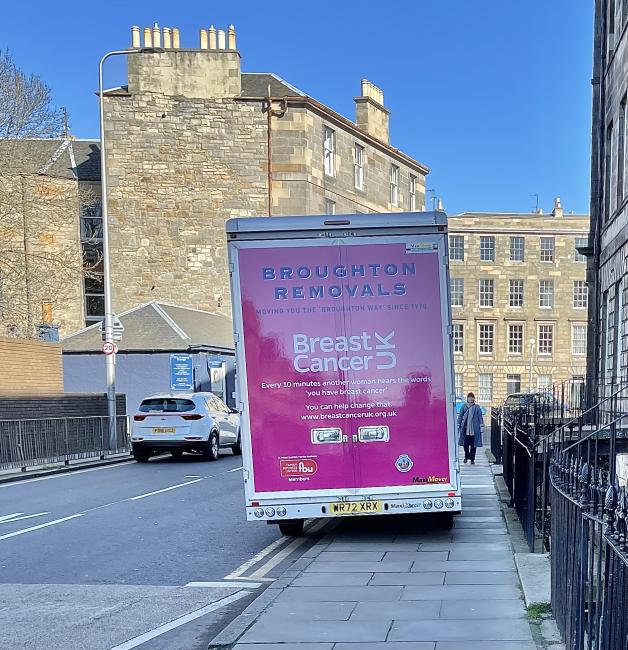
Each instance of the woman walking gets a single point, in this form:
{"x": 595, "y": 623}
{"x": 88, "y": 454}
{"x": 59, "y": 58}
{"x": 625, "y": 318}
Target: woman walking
{"x": 470, "y": 425}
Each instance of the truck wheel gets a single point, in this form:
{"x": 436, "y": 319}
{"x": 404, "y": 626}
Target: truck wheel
{"x": 141, "y": 455}
{"x": 237, "y": 448}
{"x": 444, "y": 520}
{"x": 211, "y": 451}
{"x": 292, "y": 528}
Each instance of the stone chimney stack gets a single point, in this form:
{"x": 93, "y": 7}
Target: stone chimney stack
{"x": 370, "y": 113}
{"x": 209, "y": 71}
{"x": 558, "y": 208}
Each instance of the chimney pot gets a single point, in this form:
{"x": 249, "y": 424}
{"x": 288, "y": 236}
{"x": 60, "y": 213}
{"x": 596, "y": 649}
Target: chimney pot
{"x": 156, "y": 36}
{"x": 175, "y": 38}
{"x": 203, "y": 39}
{"x": 167, "y": 38}
{"x": 148, "y": 37}
{"x": 135, "y": 37}
{"x": 221, "y": 40}
{"x": 212, "y": 37}
{"x": 558, "y": 208}
{"x": 439, "y": 205}
{"x": 231, "y": 38}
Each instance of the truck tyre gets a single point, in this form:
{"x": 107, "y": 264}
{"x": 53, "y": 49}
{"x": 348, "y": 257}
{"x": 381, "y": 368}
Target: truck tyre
{"x": 212, "y": 447}
{"x": 141, "y": 455}
{"x": 292, "y": 528}
{"x": 237, "y": 448}
{"x": 444, "y": 520}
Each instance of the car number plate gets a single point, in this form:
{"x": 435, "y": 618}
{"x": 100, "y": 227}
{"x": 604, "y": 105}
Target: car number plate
{"x": 164, "y": 429}
{"x": 355, "y": 507}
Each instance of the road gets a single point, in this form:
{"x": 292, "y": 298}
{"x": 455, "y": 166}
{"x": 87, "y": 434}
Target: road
{"x": 97, "y": 558}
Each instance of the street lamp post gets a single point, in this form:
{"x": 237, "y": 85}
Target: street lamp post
{"x": 531, "y": 356}
{"x": 110, "y": 360}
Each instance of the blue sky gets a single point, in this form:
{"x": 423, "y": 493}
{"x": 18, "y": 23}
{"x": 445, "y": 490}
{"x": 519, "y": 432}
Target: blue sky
{"x": 494, "y": 96}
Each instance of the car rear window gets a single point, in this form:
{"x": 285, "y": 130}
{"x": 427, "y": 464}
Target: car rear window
{"x": 170, "y": 405}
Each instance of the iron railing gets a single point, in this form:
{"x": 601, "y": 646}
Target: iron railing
{"x": 561, "y": 469}
{"x": 26, "y": 443}
{"x": 589, "y": 550}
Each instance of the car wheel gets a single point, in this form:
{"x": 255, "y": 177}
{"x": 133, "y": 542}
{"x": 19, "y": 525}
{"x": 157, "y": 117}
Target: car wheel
{"x": 176, "y": 453}
{"x": 237, "y": 449}
{"x": 141, "y": 455}
{"x": 212, "y": 448}
{"x": 293, "y": 528}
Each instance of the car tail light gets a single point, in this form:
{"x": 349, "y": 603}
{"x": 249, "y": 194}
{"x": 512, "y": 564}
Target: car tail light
{"x": 192, "y": 416}
{"x": 139, "y": 418}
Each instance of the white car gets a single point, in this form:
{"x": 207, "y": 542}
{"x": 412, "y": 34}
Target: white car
{"x": 178, "y": 422}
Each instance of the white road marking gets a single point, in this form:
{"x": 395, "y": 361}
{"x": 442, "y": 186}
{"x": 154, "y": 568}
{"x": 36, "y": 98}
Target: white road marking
{"x": 37, "y": 514}
{"x": 226, "y": 583}
{"x": 285, "y": 552}
{"x": 192, "y": 476}
{"x": 237, "y": 469}
{"x": 15, "y": 514}
{"x": 255, "y": 559}
{"x": 257, "y": 579}
{"x": 237, "y": 573}
{"x": 172, "y": 487}
{"x": 66, "y": 474}
{"x": 49, "y": 523}
{"x": 182, "y": 620}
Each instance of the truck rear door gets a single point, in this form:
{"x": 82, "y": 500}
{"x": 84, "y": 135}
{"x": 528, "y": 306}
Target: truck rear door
{"x": 400, "y": 402}
{"x": 294, "y": 326}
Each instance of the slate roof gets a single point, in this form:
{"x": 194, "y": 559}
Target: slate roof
{"x": 60, "y": 158}
{"x": 255, "y": 84}
{"x": 157, "y": 326}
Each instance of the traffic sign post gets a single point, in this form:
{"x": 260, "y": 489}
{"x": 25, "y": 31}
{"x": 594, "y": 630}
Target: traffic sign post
{"x": 118, "y": 329}
{"x": 108, "y": 347}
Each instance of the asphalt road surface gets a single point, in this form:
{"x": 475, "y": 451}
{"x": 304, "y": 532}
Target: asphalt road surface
{"x": 147, "y": 556}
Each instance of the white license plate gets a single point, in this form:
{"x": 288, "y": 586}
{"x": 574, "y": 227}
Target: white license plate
{"x": 355, "y": 508}
{"x": 164, "y": 429}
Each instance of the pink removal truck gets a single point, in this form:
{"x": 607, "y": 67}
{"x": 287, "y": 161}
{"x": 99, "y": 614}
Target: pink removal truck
{"x": 344, "y": 366}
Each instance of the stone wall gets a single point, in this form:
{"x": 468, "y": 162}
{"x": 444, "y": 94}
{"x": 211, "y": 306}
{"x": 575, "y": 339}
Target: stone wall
{"x": 40, "y": 241}
{"x": 30, "y": 368}
{"x": 178, "y": 169}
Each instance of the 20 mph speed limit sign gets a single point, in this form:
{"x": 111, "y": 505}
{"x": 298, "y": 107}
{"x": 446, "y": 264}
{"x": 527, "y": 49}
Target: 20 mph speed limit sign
{"x": 109, "y": 348}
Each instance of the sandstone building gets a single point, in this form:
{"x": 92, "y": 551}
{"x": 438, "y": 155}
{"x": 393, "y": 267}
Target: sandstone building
{"x": 608, "y": 243}
{"x": 192, "y": 141}
{"x": 519, "y": 302}
{"x": 50, "y": 264}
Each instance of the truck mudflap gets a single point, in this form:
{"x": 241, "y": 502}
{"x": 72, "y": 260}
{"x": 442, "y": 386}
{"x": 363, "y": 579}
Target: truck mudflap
{"x": 335, "y": 508}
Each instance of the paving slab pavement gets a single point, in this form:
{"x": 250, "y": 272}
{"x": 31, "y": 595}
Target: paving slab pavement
{"x": 392, "y": 583}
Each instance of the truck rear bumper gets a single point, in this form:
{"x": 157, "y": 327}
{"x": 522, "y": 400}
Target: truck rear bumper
{"x": 275, "y": 510}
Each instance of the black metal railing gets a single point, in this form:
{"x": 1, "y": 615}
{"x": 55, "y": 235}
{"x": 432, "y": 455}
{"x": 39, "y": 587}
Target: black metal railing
{"x": 561, "y": 466}
{"x": 589, "y": 555}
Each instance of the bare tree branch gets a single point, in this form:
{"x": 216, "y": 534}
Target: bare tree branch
{"x": 41, "y": 260}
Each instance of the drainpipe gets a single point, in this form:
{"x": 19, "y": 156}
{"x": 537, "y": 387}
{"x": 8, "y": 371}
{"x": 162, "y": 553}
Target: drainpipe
{"x": 270, "y": 113}
{"x": 27, "y": 271}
